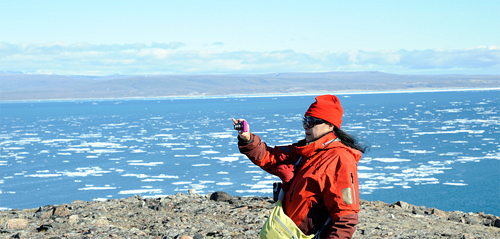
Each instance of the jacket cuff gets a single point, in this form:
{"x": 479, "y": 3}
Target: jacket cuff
{"x": 344, "y": 227}
{"x": 243, "y": 142}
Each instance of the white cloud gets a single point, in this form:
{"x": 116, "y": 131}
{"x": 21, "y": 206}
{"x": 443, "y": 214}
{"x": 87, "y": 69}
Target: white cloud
{"x": 168, "y": 58}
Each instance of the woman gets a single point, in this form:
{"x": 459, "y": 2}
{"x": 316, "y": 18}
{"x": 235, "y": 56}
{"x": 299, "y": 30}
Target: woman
{"x": 319, "y": 173}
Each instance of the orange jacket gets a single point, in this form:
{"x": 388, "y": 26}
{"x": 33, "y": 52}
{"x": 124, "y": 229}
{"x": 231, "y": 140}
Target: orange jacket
{"x": 325, "y": 182}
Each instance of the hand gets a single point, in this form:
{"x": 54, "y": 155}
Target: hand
{"x": 243, "y": 135}
{"x": 285, "y": 172}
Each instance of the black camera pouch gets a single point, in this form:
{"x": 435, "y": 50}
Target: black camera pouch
{"x": 276, "y": 190}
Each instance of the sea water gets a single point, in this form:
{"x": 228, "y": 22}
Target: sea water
{"x": 436, "y": 149}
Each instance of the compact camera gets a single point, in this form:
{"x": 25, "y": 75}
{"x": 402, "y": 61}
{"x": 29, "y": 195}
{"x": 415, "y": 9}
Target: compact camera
{"x": 241, "y": 126}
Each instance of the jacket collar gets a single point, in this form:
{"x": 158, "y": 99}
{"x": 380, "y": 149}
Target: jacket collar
{"x": 311, "y": 148}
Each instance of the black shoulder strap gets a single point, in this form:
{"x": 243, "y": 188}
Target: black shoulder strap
{"x": 323, "y": 227}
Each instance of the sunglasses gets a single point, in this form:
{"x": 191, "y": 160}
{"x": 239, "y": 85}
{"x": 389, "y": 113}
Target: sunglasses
{"x": 309, "y": 122}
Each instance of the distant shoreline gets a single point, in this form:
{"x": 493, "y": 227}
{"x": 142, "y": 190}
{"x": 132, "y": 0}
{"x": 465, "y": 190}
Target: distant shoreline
{"x": 182, "y": 97}
{"x": 33, "y": 88}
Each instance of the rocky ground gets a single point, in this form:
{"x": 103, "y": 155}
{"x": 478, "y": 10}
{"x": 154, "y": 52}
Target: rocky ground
{"x": 219, "y": 215}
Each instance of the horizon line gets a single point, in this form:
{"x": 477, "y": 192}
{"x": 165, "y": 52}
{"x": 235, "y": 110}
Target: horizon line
{"x": 189, "y": 97}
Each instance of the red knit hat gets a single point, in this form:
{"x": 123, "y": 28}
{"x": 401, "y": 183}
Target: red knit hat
{"x": 326, "y": 107}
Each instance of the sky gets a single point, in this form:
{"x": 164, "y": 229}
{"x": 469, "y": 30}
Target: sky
{"x": 95, "y": 37}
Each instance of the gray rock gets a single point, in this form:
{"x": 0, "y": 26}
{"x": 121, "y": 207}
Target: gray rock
{"x": 17, "y": 224}
{"x": 220, "y": 196}
{"x": 438, "y": 212}
{"x": 456, "y": 216}
{"x": 496, "y": 223}
{"x": 402, "y": 205}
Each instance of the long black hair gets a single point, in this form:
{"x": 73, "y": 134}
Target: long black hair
{"x": 350, "y": 141}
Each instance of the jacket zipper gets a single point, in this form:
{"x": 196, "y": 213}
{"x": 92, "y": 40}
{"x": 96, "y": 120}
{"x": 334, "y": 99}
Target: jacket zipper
{"x": 294, "y": 174}
{"x": 300, "y": 161}
{"x": 282, "y": 224}
{"x": 291, "y": 193}
{"x": 353, "y": 189}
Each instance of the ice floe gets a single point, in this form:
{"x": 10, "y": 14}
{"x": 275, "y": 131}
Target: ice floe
{"x": 417, "y": 143}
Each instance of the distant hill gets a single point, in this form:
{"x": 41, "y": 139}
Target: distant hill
{"x": 14, "y": 86}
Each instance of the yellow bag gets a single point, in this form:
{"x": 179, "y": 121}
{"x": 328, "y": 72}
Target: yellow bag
{"x": 279, "y": 225}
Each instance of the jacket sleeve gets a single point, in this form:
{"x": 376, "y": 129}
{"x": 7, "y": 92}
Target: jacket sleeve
{"x": 263, "y": 156}
{"x": 343, "y": 227}
{"x": 341, "y": 195}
